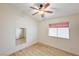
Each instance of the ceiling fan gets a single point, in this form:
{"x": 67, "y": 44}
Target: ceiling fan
{"x": 42, "y": 9}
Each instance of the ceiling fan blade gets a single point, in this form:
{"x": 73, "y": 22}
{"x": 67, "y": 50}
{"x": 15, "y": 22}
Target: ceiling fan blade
{"x": 35, "y": 13}
{"x": 49, "y": 11}
{"x": 34, "y": 8}
{"x": 46, "y": 5}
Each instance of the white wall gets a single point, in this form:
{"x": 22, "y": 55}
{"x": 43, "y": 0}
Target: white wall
{"x": 10, "y": 19}
{"x": 71, "y": 45}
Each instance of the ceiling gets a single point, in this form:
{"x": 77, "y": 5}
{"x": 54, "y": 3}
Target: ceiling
{"x": 61, "y": 9}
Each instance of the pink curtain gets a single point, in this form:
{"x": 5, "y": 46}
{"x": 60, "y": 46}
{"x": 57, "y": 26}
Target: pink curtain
{"x": 59, "y": 25}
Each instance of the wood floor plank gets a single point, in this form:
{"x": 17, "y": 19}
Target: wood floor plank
{"x": 40, "y": 50}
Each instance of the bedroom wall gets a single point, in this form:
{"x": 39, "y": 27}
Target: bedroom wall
{"x": 10, "y": 19}
{"x": 71, "y": 45}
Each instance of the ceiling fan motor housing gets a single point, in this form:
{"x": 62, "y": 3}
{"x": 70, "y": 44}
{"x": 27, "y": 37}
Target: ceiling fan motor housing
{"x": 41, "y": 6}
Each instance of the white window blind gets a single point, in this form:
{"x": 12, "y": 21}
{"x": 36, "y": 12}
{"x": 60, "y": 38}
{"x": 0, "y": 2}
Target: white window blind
{"x": 59, "y": 30}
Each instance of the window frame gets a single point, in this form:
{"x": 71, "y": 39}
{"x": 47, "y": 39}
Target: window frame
{"x": 57, "y": 32}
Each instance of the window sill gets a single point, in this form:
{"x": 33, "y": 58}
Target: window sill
{"x": 58, "y": 37}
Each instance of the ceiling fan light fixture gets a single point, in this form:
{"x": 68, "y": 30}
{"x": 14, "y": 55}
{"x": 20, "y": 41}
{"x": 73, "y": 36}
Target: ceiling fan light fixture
{"x": 41, "y": 12}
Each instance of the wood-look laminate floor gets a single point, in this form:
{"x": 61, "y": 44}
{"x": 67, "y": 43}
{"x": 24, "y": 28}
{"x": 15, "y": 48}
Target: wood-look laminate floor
{"x": 41, "y": 50}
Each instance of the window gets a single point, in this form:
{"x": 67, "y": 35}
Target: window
{"x": 60, "y": 30}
